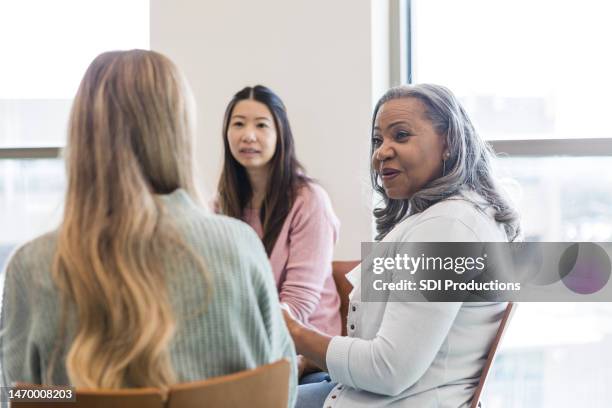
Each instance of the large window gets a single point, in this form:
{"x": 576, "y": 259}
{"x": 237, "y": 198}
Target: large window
{"x": 535, "y": 80}
{"x": 46, "y": 47}
{"x": 525, "y": 69}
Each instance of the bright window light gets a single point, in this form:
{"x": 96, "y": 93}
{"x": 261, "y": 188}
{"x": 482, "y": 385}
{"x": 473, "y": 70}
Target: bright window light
{"x": 524, "y": 69}
{"x": 46, "y": 47}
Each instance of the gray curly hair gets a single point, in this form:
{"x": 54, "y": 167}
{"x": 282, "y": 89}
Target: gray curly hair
{"x": 469, "y": 164}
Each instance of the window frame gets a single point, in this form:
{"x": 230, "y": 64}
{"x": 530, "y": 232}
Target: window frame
{"x": 19, "y": 153}
{"x": 401, "y": 72}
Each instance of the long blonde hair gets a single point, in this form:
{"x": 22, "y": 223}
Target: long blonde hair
{"x": 130, "y": 136}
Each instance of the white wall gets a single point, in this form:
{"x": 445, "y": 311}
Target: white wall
{"x": 316, "y": 54}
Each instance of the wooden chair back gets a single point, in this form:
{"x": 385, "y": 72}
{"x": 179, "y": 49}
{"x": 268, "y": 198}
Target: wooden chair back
{"x": 88, "y": 398}
{"x": 344, "y": 287}
{"x": 263, "y": 387}
{"x": 503, "y": 325}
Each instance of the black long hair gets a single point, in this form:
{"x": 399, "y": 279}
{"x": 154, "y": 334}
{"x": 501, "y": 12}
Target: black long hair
{"x": 286, "y": 175}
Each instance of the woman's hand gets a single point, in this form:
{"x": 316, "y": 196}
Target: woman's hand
{"x": 305, "y": 366}
{"x": 293, "y": 325}
{"x": 301, "y": 364}
{"x": 309, "y": 342}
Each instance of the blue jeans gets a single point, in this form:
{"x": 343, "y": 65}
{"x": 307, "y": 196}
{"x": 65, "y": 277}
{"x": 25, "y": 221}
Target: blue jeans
{"x": 313, "y": 390}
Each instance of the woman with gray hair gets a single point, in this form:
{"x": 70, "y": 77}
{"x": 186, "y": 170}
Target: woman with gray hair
{"x": 434, "y": 174}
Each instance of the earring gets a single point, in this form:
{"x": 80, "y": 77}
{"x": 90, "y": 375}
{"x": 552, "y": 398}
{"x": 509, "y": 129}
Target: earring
{"x": 445, "y": 158}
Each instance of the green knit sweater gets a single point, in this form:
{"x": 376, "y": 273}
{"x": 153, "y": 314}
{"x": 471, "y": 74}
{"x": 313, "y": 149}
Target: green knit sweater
{"x": 241, "y": 326}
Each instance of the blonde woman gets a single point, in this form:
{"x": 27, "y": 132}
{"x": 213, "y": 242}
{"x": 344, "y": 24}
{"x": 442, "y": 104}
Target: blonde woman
{"x": 140, "y": 286}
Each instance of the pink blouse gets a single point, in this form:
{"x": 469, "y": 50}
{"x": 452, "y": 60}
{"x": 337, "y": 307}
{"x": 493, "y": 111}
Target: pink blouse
{"x": 302, "y": 259}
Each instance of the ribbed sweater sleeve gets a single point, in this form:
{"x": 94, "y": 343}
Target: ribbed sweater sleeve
{"x": 269, "y": 307}
{"x": 18, "y": 357}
